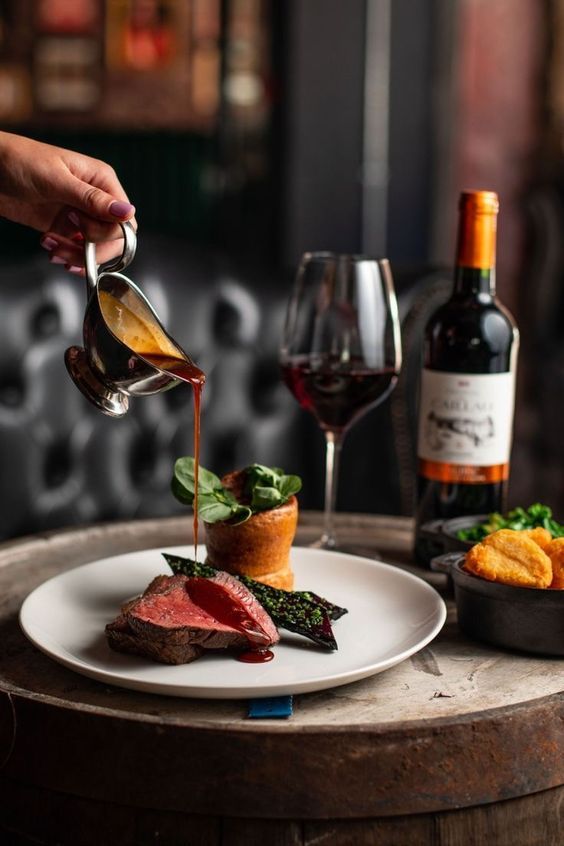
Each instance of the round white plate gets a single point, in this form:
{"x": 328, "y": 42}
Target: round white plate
{"x": 392, "y": 614}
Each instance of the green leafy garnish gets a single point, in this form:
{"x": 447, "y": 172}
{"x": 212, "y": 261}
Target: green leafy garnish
{"x": 535, "y": 516}
{"x": 265, "y": 487}
{"x": 268, "y": 487}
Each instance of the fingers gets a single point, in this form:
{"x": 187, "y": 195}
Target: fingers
{"x": 65, "y": 252}
{"x": 70, "y": 253}
{"x": 70, "y": 222}
{"x": 94, "y": 201}
{"x": 70, "y": 228}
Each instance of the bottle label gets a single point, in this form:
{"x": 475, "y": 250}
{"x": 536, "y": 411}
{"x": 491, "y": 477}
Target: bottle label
{"x": 465, "y": 426}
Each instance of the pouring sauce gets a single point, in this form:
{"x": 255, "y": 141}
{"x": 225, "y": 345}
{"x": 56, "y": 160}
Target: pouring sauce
{"x": 133, "y": 323}
{"x": 221, "y": 606}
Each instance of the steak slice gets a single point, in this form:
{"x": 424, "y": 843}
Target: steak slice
{"x": 122, "y": 638}
{"x": 178, "y": 617}
{"x": 238, "y": 594}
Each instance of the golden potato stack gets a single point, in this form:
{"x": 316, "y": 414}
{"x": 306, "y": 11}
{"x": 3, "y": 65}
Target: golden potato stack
{"x": 258, "y": 548}
{"x": 527, "y": 558}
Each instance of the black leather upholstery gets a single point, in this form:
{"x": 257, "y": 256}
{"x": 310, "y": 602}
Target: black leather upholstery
{"x": 63, "y": 462}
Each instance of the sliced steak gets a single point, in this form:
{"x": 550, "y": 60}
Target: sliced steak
{"x": 171, "y": 615}
{"x": 122, "y": 638}
{"x": 236, "y": 593}
{"x": 180, "y": 616}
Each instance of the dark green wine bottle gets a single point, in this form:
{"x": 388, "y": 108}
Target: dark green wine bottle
{"x": 467, "y": 385}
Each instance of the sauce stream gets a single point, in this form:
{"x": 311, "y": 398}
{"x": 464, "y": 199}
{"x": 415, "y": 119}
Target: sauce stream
{"x": 185, "y": 370}
{"x": 133, "y": 323}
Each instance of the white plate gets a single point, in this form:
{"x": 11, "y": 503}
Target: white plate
{"x": 392, "y": 614}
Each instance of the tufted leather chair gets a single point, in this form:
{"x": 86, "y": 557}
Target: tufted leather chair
{"x": 63, "y": 462}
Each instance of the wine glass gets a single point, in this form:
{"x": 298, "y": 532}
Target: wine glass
{"x": 341, "y": 350}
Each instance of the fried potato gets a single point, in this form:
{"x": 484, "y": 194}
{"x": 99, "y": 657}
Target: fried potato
{"x": 510, "y": 557}
{"x": 555, "y": 551}
{"x": 539, "y": 535}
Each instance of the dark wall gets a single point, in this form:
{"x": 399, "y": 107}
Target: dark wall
{"x": 323, "y": 107}
{"x": 411, "y": 130}
{"x": 313, "y": 188}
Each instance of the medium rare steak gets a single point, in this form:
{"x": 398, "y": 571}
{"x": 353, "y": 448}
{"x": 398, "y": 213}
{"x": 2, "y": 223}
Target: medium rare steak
{"x": 179, "y": 617}
{"x": 239, "y": 593}
{"x": 122, "y": 638}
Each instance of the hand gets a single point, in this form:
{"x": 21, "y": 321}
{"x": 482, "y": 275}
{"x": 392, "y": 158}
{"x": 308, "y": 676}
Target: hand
{"x": 66, "y": 196}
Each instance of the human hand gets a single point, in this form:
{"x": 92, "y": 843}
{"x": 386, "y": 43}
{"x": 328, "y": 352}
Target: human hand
{"x": 66, "y": 196}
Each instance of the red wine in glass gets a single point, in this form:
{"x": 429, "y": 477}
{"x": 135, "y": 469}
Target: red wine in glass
{"x": 334, "y": 394}
{"x": 341, "y": 350}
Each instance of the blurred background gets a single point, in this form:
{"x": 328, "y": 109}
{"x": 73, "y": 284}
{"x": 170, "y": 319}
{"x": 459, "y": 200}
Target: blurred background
{"x": 246, "y": 132}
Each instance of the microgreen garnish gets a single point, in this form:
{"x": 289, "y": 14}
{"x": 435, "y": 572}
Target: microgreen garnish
{"x": 265, "y": 487}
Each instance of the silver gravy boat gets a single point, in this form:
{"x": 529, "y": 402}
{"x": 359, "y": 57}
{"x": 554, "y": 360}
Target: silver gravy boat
{"x": 106, "y": 369}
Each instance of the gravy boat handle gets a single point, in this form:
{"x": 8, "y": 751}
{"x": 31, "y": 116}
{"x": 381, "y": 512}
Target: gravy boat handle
{"x": 93, "y": 270}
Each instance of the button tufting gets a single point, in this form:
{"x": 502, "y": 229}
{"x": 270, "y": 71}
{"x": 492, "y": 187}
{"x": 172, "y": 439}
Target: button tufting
{"x": 265, "y": 385}
{"x": 236, "y": 317}
{"x": 46, "y": 321}
{"x": 12, "y": 391}
{"x": 178, "y": 397}
{"x": 57, "y": 465}
{"x": 64, "y": 462}
{"x": 143, "y": 458}
{"x": 225, "y": 450}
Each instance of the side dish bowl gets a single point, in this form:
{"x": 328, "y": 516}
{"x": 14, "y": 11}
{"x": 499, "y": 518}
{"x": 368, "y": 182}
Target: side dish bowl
{"x": 442, "y": 535}
{"x": 526, "y": 619}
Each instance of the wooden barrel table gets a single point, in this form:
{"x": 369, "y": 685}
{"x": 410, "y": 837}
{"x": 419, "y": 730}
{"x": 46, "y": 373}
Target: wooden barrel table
{"x": 460, "y": 745}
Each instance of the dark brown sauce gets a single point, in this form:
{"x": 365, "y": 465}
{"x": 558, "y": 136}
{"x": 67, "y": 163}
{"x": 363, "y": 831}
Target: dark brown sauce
{"x": 188, "y": 372}
{"x": 132, "y": 322}
{"x": 221, "y": 606}
{"x": 255, "y": 656}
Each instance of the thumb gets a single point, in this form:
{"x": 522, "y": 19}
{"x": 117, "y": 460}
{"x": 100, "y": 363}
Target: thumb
{"x": 96, "y": 202}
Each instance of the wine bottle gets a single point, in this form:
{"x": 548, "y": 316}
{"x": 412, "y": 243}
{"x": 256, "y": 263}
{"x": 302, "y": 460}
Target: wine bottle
{"x": 467, "y": 389}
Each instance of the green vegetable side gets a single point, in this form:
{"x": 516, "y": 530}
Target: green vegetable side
{"x": 266, "y": 487}
{"x": 531, "y": 518}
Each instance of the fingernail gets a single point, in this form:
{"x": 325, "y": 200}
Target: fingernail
{"x": 78, "y": 236}
{"x": 48, "y": 243}
{"x": 74, "y": 269}
{"x": 74, "y": 218}
{"x": 119, "y": 209}
{"x": 57, "y": 260}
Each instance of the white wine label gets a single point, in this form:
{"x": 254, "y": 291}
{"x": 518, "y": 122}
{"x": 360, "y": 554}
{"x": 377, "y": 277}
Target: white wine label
{"x": 467, "y": 420}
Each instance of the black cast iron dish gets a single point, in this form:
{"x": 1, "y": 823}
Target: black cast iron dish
{"x": 526, "y": 619}
{"x": 441, "y": 534}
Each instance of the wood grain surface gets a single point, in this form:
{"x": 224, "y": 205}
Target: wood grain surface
{"x": 453, "y": 746}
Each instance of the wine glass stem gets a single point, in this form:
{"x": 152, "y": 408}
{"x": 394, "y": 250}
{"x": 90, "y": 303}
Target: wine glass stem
{"x": 333, "y": 443}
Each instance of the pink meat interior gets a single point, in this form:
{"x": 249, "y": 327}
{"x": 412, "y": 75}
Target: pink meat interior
{"x": 174, "y": 609}
{"x": 227, "y": 607}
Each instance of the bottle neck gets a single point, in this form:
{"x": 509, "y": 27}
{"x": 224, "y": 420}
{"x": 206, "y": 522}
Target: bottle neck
{"x": 475, "y": 247}
{"x": 469, "y": 281}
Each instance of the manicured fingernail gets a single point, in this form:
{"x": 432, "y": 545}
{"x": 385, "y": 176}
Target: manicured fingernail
{"x": 74, "y": 269}
{"x": 74, "y": 218}
{"x": 57, "y": 260}
{"x": 119, "y": 209}
{"x": 78, "y": 236}
{"x": 48, "y": 243}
